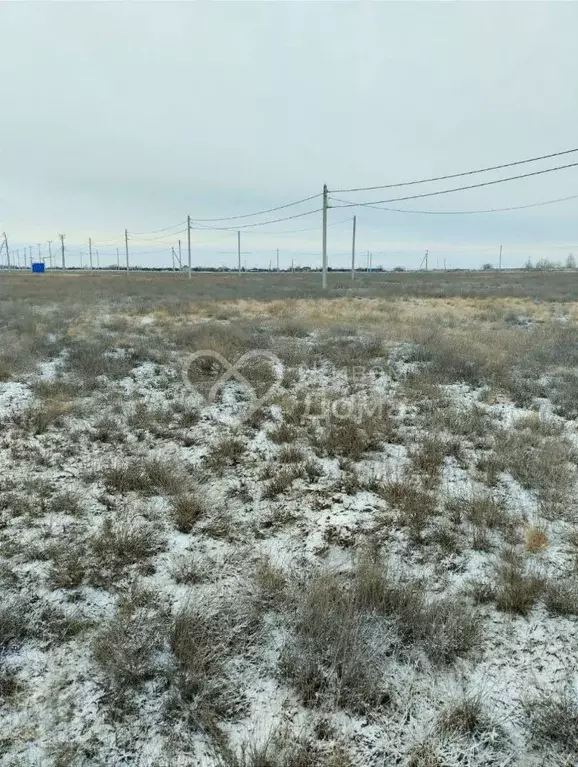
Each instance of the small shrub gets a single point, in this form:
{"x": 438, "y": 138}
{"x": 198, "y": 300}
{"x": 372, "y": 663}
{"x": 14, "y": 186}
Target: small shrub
{"x": 465, "y": 715}
{"x": 291, "y": 454}
{"x": 516, "y": 590}
{"x": 14, "y": 622}
{"x": 124, "y": 541}
{"x": 561, "y": 596}
{"x": 536, "y": 539}
{"x": 143, "y": 476}
{"x": 227, "y": 453}
{"x": 128, "y": 647}
{"x": 281, "y": 482}
{"x": 186, "y": 510}
{"x": 282, "y": 434}
{"x": 200, "y": 643}
{"x": 554, "y": 718}
{"x": 65, "y": 503}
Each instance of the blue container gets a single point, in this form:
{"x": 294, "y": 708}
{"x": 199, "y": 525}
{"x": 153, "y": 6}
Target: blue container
{"x": 38, "y": 267}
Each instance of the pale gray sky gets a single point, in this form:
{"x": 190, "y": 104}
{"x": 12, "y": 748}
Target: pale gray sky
{"x": 135, "y": 114}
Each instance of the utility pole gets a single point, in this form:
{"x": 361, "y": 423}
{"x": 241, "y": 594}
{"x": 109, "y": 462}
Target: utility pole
{"x": 180, "y": 256}
{"x": 7, "y": 250}
{"x": 126, "y": 250}
{"x": 97, "y": 260}
{"x": 62, "y": 251}
{"x": 90, "y": 253}
{"x": 50, "y": 253}
{"x": 324, "y": 277}
{"x": 277, "y": 259}
{"x": 500, "y": 262}
{"x": 30, "y": 254}
{"x": 189, "y": 242}
{"x": 173, "y": 257}
{"x": 39, "y": 253}
{"x": 117, "y": 260}
{"x": 353, "y": 249}
{"x": 292, "y": 265}
{"x": 371, "y": 262}
{"x": 239, "y": 251}
{"x": 426, "y": 255}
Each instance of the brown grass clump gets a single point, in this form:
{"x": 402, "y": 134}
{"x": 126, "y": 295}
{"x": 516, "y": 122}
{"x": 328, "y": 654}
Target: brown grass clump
{"x": 186, "y": 509}
{"x": 536, "y": 539}
{"x": 516, "y": 590}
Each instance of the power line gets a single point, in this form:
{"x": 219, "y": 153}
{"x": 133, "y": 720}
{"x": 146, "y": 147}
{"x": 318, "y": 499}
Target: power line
{"x": 165, "y": 229}
{"x": 458, "y": 188}
{"x": 461, "y": 212}
{"x": 457, "y": 175}
{"x": 259, "y": 223}
{"x": 261, "y": 212}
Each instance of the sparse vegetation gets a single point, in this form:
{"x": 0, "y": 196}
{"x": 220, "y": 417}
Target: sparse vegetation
{"x": 180, "y": 574}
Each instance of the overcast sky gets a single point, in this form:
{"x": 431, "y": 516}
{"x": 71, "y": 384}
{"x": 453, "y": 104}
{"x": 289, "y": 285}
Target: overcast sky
{"x": 134, "y": 115}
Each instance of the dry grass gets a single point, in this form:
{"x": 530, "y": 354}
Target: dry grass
{"x": 186, "y": 510}
{"x": 554, "y": 719}
{"x": 145, "y": 476}
{"x": 536, "y": 539}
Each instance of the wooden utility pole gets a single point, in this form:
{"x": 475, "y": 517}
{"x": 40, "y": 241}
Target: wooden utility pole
{"x": 50, "y": 253}
{"x": 277, "y": 259}
{"x": 117, "y": 260}
{"x": 500, "y": 262}
{"x": 90, "y": 253}
{"x": 189, "y": 243}
{"x": 426, "y": 255}
{"x": 126, "y": 250}
{"x": 239, "y": 251}
{"x": 180, "y": 256}
{"x": 97, "y": 260}
{"x": 292, "y": 265}
{"x": 173, "y": 257}
{"x": 30, "y": 254}
{"x": 62, "y": 251}
{"x": 7, "y": 250}
{"x": 324, "y": 239}
{"x": 353, "y": 249}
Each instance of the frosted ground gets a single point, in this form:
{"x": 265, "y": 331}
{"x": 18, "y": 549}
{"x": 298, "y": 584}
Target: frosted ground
{"x": 378, "y": 566}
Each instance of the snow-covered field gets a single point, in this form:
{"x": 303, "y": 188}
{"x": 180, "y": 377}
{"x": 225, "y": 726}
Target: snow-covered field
{"x": 377, "y": 566}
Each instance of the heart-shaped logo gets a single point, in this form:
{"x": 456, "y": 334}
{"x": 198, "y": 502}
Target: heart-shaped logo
{"x": 208, "y": 359}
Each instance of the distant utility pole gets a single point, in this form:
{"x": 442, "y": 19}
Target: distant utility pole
{"x": 50, "y": 253}
{"x": 500, "y": 261}
{"x": 117, "y": 259}
{"x": 90, "y": 253}
{"x": 7, "y": 250}
{"x": 239, "y": 251}
{"x": 126, "y": 250}
{"x": 324, "y": 242}
{"x": 277, "y": 259}
{"x": 426, "y": 255}
{"x": 367, "y": 262}
{"x": 173, "y": 257}
{"x": 353, "y": 249}
{"x": 39, "y": 253}
{"x": 292, "y": 265}
{"x": 62, "y": 251}
{"x": 97, "y": 260}
{"x": 180, "y": 256}
{"x": 30, "y": 254}
{"x": 189, "y": 242}
{"x": 371, "y": 262}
